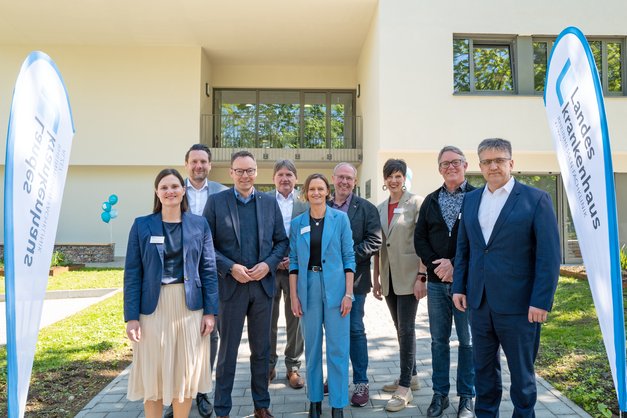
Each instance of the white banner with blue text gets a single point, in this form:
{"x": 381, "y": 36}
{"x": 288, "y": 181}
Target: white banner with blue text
{"x": 38, "y": 148}
{"x": 573, "y": 98}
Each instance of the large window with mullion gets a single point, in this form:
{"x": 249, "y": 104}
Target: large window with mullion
{"x": 483, "y": 66}
{"x": 284, "y": 119}
{"x": 608, "y": 56}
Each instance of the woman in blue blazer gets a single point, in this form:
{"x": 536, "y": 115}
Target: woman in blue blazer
{"x": 170, "y": 299}
{"x": 322, "y": 265}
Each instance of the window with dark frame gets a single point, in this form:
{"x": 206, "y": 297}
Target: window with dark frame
{"x": 483, "y": 65}
{"x": 487, "y": 64}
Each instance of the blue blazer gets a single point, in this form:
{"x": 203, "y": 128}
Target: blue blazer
{"x": 143, "y": 268}
{"x": 519, "y": 266}
{"x": 221, "y": 212}
{"x": 337, "y": 255}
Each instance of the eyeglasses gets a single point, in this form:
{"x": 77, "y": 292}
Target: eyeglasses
{"x": 345, "y": 178}
{"x": 497, "y": 161}
{"x": 454, "y": 163}
{"x": 239, "y": 172}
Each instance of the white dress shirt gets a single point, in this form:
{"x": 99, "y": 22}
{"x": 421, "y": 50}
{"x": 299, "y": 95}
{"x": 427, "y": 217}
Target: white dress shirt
{"x": 491, "y": 205}
{"x": 197, "y": 198}
{"x": 286, "y": 204}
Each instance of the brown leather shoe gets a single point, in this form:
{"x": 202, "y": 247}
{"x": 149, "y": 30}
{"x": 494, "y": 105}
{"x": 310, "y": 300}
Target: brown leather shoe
{"x": 224, "y": 416}
{"x": 271, "y": 375}
{"x": 263, "y": 413}
{"x": 296, "y": 382}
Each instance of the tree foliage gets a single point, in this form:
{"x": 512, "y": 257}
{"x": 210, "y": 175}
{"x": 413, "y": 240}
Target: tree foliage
{"x": 279, "y": 126}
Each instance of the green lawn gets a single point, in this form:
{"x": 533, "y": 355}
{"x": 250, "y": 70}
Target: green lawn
{"x": 75, "y": 359}
{"x": 572, "y": 355}
{"x": 87, "y": 278}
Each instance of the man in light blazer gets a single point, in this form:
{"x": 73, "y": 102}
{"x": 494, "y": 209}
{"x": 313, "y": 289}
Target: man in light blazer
{"x": 250, "y": 242}
{"x": 366, "y": 228}
{"x": 506, "y": 270}
{"x": 285, "y": 178}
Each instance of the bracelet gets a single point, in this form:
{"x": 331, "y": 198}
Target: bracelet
{"x": 351, "y": 297}
{"x": 422, "y": 273}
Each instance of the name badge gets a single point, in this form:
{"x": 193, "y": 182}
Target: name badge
{"x": 305, "y": 229}
{"x": 399, "y": 210}
{"x": 157, "y": 240}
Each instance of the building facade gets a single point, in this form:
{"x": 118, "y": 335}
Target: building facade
{"x": 315, "y": 81}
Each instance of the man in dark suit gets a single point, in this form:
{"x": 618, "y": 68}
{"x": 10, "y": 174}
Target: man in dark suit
{"x": 364, "y": 219}
{"x": 506, "y": 271}
{"x": 285, "y": 178}
{"x": 250, "y": 242}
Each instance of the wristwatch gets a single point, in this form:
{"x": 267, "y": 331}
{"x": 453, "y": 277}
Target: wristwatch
{"x": 423, "y": 276}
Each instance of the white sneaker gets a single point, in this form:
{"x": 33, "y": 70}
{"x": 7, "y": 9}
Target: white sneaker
{"x": 399, "y": 401}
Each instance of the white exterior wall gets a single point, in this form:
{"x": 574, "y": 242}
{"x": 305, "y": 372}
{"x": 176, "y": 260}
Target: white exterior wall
{"x": 137, "y": 109}
{"x": 125, "y": 101}
{"x": 284, "y": 77}
{"x": 368, "y": 70}
{"x": 418, "y": 112}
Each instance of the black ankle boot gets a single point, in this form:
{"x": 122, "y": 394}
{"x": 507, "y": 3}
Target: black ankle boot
{"x": 337, "y": 412}
{"x": 315, "y": 409}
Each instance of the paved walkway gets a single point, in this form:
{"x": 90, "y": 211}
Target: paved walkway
{"x": 383, "y": 368}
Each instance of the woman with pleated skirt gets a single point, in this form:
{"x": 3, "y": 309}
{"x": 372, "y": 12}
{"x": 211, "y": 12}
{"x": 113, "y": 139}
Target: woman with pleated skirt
{"x": 170, "y": 301}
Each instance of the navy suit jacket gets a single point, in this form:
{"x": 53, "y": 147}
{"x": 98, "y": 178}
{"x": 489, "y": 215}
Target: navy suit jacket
{"x": 221, "y": 212}
{"x": 519, "y": 266}
{"x": 366, "y": 227}
{"x": 143, "y": 268}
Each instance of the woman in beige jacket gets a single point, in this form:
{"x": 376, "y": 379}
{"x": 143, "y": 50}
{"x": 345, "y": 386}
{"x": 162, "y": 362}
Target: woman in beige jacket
{"x": 399, "y": 276}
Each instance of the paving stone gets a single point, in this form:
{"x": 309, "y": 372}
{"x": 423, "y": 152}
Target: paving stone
{"x": 383, "y": 368}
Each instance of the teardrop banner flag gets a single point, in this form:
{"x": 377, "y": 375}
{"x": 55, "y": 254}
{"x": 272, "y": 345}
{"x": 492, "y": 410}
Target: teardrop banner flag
{"x": 38, "y": 148}
{"x": 573, "y": 98}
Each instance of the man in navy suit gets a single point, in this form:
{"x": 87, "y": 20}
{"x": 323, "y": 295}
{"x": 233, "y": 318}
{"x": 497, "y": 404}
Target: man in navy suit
{"x": 250, "y": 242}
{"x": 506, "y": 270}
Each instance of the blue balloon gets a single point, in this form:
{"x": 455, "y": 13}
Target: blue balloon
{"x": 106, "y": 217}
{"x": 113, "y": 213}
{"x": 106, "y": 206}
{"x": 113, "y": 199}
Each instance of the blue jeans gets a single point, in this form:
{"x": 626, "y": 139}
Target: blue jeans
{"x": 359, "y": 344}
{"x": 441, "y": 314}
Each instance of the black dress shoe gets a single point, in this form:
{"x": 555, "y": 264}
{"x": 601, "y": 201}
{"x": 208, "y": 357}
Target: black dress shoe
{"x": 315, "y": 409}
{"x": 337, "y": 413}
{"x": 438, "y": 404}
{"x": 466, "y": 408}
{"x": 205, "y": 408}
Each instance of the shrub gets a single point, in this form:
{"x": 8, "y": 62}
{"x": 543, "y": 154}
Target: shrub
{"x": 59, "y": 259}
{"x": 623, "y": 258}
